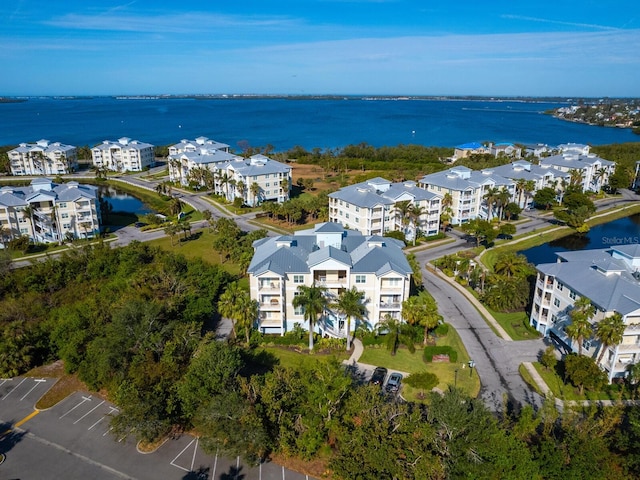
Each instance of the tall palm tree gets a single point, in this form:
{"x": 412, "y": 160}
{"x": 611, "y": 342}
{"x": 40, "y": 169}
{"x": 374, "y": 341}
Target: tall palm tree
{"x": 255, "y": 192}
{"x": 576, "y": 177}
{"x": 350, "y": 304}
{"x": 599, "y": 176}
{"x": 246, "y": 313}
{"x": 228, "y": 304}
{"x": 224, "y": 179}
{"x": 5, "y": 234}
{"x": 313, "y": 300}
{"x": 580, "y": 327}
{"x": 402, "y": 210}
{"x": 29, "y": 213}
{"x": 520, "y": 184}
{"x": 447, "y": 211}
{"x": 396, "y": 333}
{"x": 208, "y": 217}
{"x": 284, "y": 185}
{"x": 609, "y": 332}
{"x": 172, "y": 229}
{"x": 503, "y": 198}
{"x": 415, "y": 212}
{"x": 490, "y": 198}
{"x": 175, "y": 206}
{"x": 529, "y": 188}
{"x": 241, "y": 188}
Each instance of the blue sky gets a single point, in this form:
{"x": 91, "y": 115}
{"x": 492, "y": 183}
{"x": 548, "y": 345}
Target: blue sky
{"x": 388, "y": 47}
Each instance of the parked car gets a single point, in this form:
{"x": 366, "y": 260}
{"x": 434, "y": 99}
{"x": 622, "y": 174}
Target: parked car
{"x": 394, "y": 382}
{"x": 378, "y": 377}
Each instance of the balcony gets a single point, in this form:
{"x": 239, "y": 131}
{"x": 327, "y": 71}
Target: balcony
{"x": 272, "y": 304}
{"x": 390, "y": 306}
{"x": 269, "y": 286}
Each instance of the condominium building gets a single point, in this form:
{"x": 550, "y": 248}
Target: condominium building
{"x": 610, "y": 279}
{"x": 371, "y": 208}
{"x": 47, "y": 212}
{"x": 207, "y": 163}
{"x": 332, "y": 257}
{"x": 466, "y": 189}
{"x": 542, "y": 176}
{"x": 594, "y": 171}
{"x": 43, "y": 158}
{"x": 123, "y": 155}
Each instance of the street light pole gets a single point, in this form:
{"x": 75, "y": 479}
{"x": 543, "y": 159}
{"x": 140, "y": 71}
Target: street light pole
{"x": 471, "y": 365}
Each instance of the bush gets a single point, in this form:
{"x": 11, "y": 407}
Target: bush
{"x": 442, "y": 330}
{"x": 397, "y": 235}
{"x": 422, "y": 380}
{"x": 331, "y": 344}
{"x": 429, "y": 353}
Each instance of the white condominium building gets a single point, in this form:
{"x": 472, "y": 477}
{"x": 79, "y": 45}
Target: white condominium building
{"x": 43, "y": 158}
{"x": 207, "y": 163}
{"x": 47, "y": 212}
{"x": 610, "y": 279}
{"x": 123, "y": 155}
{"x": 371, "y": 208}
{"x": 332, "y": 257}
{"x": 594, "y": 171}
{"x": 466, "y": 189}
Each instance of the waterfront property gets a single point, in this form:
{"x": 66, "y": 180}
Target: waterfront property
{"x": 337, "y": 259}
{"x": 371, "y": 208}
{"x": 123, "y": 155}
{"x": 610, "y": 279}
{"x": 594, "y": 172}
{"x": 43, "y": 158}
{"x": 207, "y": 163}
{"x": 47, "y": 212}
{"x": 467, "y": 189}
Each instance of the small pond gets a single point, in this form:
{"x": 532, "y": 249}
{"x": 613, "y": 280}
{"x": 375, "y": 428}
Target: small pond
{"x": 618, "y": 232}
{"x": 122, "y": 202}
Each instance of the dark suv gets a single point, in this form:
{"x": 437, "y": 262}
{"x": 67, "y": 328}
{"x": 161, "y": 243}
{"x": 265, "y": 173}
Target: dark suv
{"x": 379, "y": 374}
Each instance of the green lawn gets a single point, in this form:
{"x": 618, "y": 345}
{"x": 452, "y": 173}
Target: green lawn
{"x": 465, "y": 379}
{"x": 291, "y": 358}
{"x": 199, "y": 247}
{"x": 516, "y": 324}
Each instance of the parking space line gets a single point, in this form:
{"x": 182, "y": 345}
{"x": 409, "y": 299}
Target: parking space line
{"x": 13, "y": 389}
{"x": 88, "y": 412}
{"x": 177, "y": 456}
{"x": 96, "y": 423}
{"x": 84, "y": 399}
{"x": 37, "y": 382}
{"x": 237, "y": 466}
{"x": 105, "y": 433}
{"x": 195, "y": 450}
{"x": 215, "y": 465}
{"x": 4, "y": 380}
{"x": 283, "y": 473}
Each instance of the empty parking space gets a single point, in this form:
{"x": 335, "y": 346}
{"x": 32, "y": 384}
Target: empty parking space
{"x": 76, "y": 435}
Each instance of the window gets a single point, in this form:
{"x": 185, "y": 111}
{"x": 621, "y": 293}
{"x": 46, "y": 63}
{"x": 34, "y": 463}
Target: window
{"x": 66, "y": 225}
{"x": 267, "y": 184}
{"x": 266, "y": 176}
{"x": 346, "y": 215}
{"x": 572, "y": 294}
{"x": 24, "y": 230}
{"x": 560, "y": 286}
{"x": 298, "y": 310}
{"x": 298, "y": 279}
{"x": 62, "y": 205}
{"x": 556, "y": 302}
{"x": 357, "y": 209}
{"x": 361, "y": 279}
{"x": 64, "y": 215}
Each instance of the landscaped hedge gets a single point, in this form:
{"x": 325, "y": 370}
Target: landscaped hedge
{"x": 442, "y": 330}
{"x": 429, "y": 353}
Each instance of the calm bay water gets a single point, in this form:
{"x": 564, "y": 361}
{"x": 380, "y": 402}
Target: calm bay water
{"x": 618, "y": 232}
{"x": 284, "y": 123}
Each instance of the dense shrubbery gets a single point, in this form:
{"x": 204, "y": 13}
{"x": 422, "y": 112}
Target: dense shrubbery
{"x": 423, "y": 380}
{"x": 431, "y": 351}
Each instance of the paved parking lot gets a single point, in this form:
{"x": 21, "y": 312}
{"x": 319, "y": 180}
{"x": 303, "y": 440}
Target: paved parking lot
{"x": 73, "y": 440}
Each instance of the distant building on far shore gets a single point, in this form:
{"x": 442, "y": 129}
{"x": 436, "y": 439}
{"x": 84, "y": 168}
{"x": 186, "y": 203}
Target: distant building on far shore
{"x": 123, "y": 155}
{"x": 43, "y": 158}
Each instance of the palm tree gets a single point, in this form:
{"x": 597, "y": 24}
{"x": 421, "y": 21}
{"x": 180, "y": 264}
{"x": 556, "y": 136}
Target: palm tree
{"x": 580, "y": 327}
{"x": 633, "y": 376}
{"x": 402, "y": 210}
{"x": 313, "y": 300}
{"x": 246, "y": 313}
{"x": 600, "y": 174}
{"x": 29, "y": 212}
{"x": 609, "y": 331}
{"x": 207, "y": 216}
{"x": 415, "y": 212}
{"x": 224, "y": 183}
{"x": 520, "y": 184}
{"x": 576, "y": 177}
{"x": 350, "y": 304}
{"x": 421, "y": 310}
{"x": 529, "y": 188}
{"x": 503, "y": 198}
{"x": 241, "y": 187}
{"x": 396, "y": 334}
{"x": 172, "y": 229}
{"x": 284, "y": 185}
{"x": 5, "y": 234}
{"x": 512, "y": 264}
{"x": 490, "y": 197}
{"x": 228, "y": 304}
{"x": 447, "y": 211}
{"x": 175, "y": 206}
{"x": 255, "y": 192}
